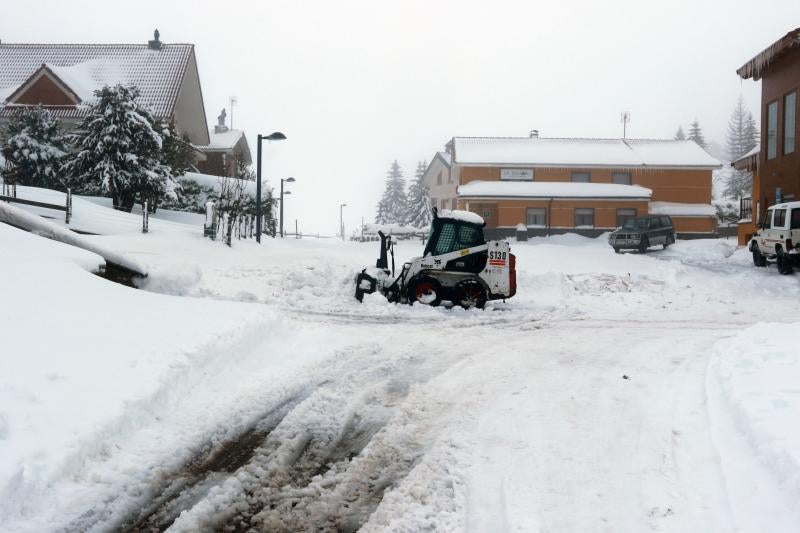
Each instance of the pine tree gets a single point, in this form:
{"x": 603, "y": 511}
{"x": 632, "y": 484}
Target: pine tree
{"x": 392, "y": 206}
{"x": 680, "y": 135}
{"x": 35, "y": 147}
{"x": 696, "y": 134}
{"x": 742, "y": 137}
{"x": 176, "y": 151}
{"x": 419, "y": 200}
{"x": 119, "y": 152}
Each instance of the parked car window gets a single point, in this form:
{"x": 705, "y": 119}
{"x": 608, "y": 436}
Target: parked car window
{"x": 779, "y": 218}
{"x": 621, "y": 178}
{"x": 640, "y": 223}
{"x": 666, "y": 222}
{"x": 584, "y": 217}
{"x": 535, "y": 216}
{"x": 581, "y": 177}
{"x": 795, "y": 218}
{"x": 767, "y": 220}
{"x": 623, "y": 215}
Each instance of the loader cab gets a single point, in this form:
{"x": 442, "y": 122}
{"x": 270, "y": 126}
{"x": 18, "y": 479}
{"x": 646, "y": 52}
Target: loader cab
{"x": 450, "y": 232}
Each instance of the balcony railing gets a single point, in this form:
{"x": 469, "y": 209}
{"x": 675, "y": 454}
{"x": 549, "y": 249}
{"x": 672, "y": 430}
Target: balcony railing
{"x": 746, "y": 209}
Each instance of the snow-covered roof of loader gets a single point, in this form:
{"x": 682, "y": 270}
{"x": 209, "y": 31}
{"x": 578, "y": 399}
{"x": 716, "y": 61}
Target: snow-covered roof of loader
{"x": 86, "y": 67}
{"x": 550, "y": 189}
{"x": 552, "y": 152}
{"x": 463, "y": 216}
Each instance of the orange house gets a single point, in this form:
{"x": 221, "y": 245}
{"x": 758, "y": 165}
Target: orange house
{"x": 586, "y": 186}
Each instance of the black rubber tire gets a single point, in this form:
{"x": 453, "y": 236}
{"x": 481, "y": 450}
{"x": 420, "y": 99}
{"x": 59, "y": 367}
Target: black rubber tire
{"x": 418, "y": 288}
{"x": 469, "y": 293}
{"x": 644, "y": 244}
{"x": 670, "y": 240}
{"x": 784, "y": 263}
{"x": 617, "y": 250}
{"x": 758, "y": 258}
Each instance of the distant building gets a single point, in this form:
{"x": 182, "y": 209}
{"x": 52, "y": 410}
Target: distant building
{"x": 587, "y": 186}
{"x": 226, "y": 147}
{"x": 440, "y": 182}
{"x": 776, "y": 165}
{"x": 63, "y": 78}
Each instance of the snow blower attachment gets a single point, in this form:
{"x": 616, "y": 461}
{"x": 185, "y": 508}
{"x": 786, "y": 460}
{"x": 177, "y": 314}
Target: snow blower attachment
{"x": 458, "y": 265}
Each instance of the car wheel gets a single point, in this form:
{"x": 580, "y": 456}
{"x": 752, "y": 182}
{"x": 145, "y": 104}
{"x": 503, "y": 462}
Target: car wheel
{"x": 426, "y": 291}
{"x": 617, "y": 250}
{"x": 669, "y": 240}
{"x": 469, "y": 293}
{"x": 784, "y": 263}
{"x": 643, "y": 245}
{"x": 758, "y": 258}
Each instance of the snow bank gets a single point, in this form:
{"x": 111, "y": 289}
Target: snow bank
{"x": 20, "y": 218}
{"x": 759, "y": 373}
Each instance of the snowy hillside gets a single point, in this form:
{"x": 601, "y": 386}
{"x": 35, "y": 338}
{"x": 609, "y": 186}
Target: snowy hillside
{"x": 245, "y": 385}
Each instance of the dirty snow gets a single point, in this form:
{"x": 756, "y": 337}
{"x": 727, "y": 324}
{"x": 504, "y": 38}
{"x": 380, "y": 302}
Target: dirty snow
{"x": 244, "y": 385}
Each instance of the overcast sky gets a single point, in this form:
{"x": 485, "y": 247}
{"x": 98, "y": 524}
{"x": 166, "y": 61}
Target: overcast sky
{"x": 355, "y": 85}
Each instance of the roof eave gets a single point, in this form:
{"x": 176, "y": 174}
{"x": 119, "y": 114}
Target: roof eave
{"x": 761, "y": 61}
{"x": 590, "y": 165}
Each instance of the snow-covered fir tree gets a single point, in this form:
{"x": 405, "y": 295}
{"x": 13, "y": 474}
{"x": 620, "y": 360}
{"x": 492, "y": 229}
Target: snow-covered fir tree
{"x": 35, "y": 147}
{"x": 392, "y": 207}
{"x": 696, "y": 134}
{"x": 419, "y": 200}
{"x": 741, "y": 138}
{"x": 680, "y": 135}
{"x": 118, "y": 151}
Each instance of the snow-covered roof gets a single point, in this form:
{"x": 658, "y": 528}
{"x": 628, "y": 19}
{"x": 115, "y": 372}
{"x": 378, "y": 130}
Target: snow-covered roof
{"x": 757, "y": 65}
{"x": 225, "y": 140}
{"x": 682, "y": 210}
{"x": 550, "y": 189}
{"x": 463, "y": 216}
{"x": 445, "y": 157}
{"x": 86, "y": 67}
{"x": 608, "y": 153}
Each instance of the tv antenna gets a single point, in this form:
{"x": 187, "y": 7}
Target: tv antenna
{"x": 234, "y": 101}
{"x": 624, "y": 117}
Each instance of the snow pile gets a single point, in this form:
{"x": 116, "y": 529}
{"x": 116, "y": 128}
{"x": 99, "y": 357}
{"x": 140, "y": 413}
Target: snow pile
{"x": 393, "y": 229}
{"x": 759, "y": 373}
{"x": 463, "y": 216}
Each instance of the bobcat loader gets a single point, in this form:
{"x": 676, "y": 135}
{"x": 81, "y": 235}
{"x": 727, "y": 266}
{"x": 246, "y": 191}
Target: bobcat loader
{"x": 458, "y": 265}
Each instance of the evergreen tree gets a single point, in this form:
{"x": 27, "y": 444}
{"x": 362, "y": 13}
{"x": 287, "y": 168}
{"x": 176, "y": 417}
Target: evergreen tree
{"x": 742, "y": 137}
{"x": 679, "y": 135}
{"x": 419, "y": 200}
{"x": 176, "y": 151}
{"x": 119, "y": 151}
{"x": 392, "y": 207}
{"x": 35, "y": 147}
{"x": 696, "y": 134}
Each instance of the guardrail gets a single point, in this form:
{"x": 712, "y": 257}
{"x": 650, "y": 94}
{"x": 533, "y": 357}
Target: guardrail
{"x": 66, "y": 208}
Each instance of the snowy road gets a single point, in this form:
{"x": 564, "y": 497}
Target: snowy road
{"x": 590, "y": 402}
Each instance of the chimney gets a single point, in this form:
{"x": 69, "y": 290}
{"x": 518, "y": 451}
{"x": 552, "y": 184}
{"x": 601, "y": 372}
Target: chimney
{"x": 534, "y": 134}
{"x": 155, "y": 44}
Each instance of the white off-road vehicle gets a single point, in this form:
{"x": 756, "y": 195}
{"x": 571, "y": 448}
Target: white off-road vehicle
{"x": 778, "y": 237}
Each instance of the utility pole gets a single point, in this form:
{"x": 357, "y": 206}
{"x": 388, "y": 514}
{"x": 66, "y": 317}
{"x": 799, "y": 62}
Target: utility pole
{"x": 234, "y": 101}
{"x": 625, "y": 117}
{"x": 341, "y": 219}
{"x": 274, "y": 136}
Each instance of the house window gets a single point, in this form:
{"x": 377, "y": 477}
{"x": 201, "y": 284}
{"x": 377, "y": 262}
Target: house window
{"x": 434, "y": 202}
{"x": 516, "y": 174}
{"x": 584, "y": 217}
{"x": 772, "y": 130}
{"x": 454, "y": 203}
{"x": 623, "y": 215}
{"x": 449, "y": 177}
{"x": 444, "y": 204}
{"x": 536, "y": 217}
{"x": 621, "y": 178}
{"x": 789, "y": 121}
{"x": 581, "y": 177}
{"x": 439, "y": 178}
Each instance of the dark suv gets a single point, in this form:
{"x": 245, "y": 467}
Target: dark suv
{"x": 639, "y": 233}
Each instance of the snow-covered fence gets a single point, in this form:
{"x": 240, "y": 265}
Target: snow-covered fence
{"x": 67, "y": 207}
{"x": 145, "y": 217}
{"x": 370, "y": 231}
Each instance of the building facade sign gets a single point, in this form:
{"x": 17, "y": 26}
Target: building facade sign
{"x": 520, "y": 174}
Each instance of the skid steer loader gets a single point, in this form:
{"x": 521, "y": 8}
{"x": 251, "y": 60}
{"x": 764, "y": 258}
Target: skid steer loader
{"x": 458, "y": 265}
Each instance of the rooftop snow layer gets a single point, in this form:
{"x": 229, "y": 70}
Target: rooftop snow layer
{"x": 222, "y": 141}
{"x": 544, "y": 152}
{"x": 84, "y": 68}
{"x": 549, "y": 189}
{"x": 682, "y": 210}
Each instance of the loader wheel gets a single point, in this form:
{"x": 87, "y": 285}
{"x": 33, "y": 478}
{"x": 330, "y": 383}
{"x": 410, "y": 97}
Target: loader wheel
{"x": 469, "y": 293}
{"x": 426, "y": 291}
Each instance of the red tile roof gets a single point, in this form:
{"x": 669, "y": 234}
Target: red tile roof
{"x": 85, "y": 67}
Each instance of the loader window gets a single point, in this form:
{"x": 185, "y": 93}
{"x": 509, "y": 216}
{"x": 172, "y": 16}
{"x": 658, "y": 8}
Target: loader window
{"x": 468, "y": 237}
{"x": 447, "y": 238}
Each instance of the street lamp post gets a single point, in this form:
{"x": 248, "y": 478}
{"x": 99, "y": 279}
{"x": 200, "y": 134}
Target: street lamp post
{"x": 287, "y": 180}
{"x": 341, "y": 220}
{"x": 275, "y": 136}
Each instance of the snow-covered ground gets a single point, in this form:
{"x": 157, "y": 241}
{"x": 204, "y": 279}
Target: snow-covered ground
{"x": 245, "y": 386}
